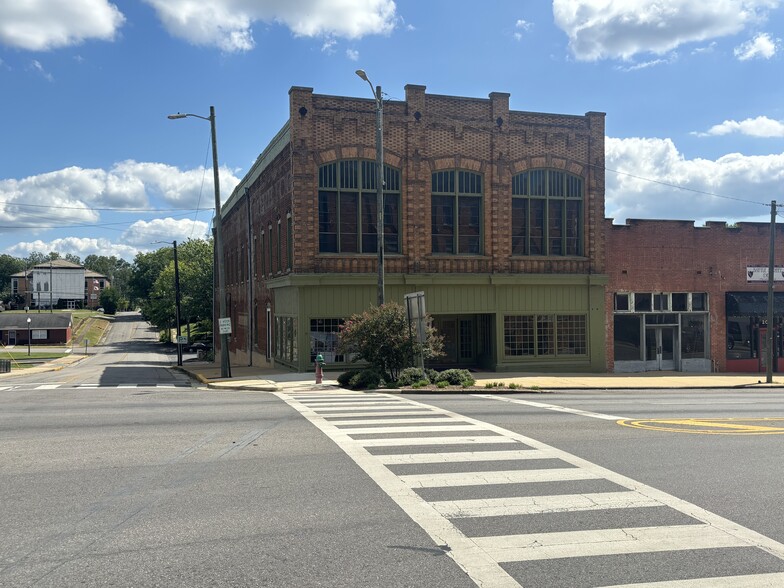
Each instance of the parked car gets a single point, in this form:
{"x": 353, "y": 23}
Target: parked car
{"x": 197, "y": 346}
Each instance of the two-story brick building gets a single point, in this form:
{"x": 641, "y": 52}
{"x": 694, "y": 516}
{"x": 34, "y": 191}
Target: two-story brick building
{"x": 59, "y": 284}
{"x": 496, "y": 214}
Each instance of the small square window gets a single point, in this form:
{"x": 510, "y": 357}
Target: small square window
{"x": 642, "y": 302}
{"x": 699, "y": 301}
{"x": 680, "y": 301}
{"x": 621, "y": 302}
{"x": 661, "y": 302}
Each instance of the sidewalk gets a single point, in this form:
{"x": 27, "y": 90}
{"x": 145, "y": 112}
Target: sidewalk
{"x": 257, "y": 378}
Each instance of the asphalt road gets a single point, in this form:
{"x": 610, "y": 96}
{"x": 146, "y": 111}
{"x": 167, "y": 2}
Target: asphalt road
{"x": 136, "y": 477}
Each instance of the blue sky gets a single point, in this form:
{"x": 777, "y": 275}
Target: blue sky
{"x": 89, "y": 163}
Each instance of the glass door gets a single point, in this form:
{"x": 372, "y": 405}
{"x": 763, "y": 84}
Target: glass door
{"x": 660, "y": 348}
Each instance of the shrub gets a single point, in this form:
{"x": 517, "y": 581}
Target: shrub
{"x": 455, "y": 377}
{"x": 442, "y": 384}
{"x": 381, "y": 336}
{"x": 512, "y": 386}
{"x": 344, "y": 379}
{"x": 431, "y": 374}
{"x": 368, "y": 379}
{"x": 420, "y": 384}
{"x": 410, "y": 375}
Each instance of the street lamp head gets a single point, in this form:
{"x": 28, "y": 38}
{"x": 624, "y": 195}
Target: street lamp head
{"x": 361, "y": 73}
{"x": 176, "y": 116}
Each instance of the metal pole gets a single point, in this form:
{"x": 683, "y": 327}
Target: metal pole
{"x": 771, "y": 260}
{"x": 177, "y": 302}
{"x": 224, "y": 339}
{"x": 28, "y": 336}
{"x": 380, "y": 191}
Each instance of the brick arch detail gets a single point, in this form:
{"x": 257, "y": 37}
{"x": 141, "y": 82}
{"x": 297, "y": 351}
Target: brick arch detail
{"x": 549, "y": 162}
{"x": 325, "y": 156}
{"x": 458, "y": 162}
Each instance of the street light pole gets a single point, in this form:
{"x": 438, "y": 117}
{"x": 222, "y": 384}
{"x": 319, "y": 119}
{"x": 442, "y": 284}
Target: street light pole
{"x": 177, "y": 302}
{"x": 379, "y": 181}
{"x": 224, "y": 339}
{"x": 29, "y": 320}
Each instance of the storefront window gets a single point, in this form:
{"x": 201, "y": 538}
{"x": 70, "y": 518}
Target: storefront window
{"x": 739, "y": 338}
{"x": 693, "y": 336}
{"x": 627, "y": 342}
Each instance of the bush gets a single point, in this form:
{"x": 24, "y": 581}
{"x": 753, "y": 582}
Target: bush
{"x": 455, "y": 377}
{"x": 381, "y": 336}
{"x": 365, "y": 380}
{"x": 442, "y": 384}
{"x": 431, "y": 374}
{"x": 344, "y": 379}
{"x": 411, "y": 375}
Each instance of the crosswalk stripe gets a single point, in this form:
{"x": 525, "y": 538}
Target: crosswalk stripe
{"x": 47, "y": 386}
{"x": 408, "y": 411}
{"x": 392, "y": 442}
{"x": 525, "y": 505}
{"x": 411, "y": 429}
{"x": 461, "y": 456}
{"x": 357, "y": 406}
{"x": 539, "y": 546}
{"x": 433, "y": 419}
{"x": 351, "y": 403}
{"x": 345, "y": 400}
{"x": 746, "y": 581}
{"x": 500, "y": 477}
{"x": 127, "y": 385}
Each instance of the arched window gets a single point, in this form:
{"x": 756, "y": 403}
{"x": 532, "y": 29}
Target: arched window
{"x": 547, "y": 213}
{"x": 456, "y": 212}
{"x": 348, "y": 207}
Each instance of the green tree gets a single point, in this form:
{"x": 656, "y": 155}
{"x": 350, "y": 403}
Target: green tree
{"x": 110, "y": 300}
{"x": 381, "y": 337}
{"x": 116, "y": 269}
{"x": 145, "y": 271}
{"x": 73, "y": 258}
{"x": 196, "y": 285}
{"x": 9, "y": 265}
{"x": 35, "y": 258}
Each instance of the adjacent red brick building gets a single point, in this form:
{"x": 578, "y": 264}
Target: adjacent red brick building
{"x": 691, "y": 298}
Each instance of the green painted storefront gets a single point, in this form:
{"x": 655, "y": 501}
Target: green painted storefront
{"x": 522, "y": 322}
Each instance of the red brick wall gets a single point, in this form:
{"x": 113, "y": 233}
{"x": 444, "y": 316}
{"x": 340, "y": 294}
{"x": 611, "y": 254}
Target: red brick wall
{"x": 676, "y": 256}
{"x": 425, "y": 133}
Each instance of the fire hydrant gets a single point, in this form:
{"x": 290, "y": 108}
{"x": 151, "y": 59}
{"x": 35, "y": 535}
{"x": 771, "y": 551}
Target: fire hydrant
{"x": 319, "y": 368}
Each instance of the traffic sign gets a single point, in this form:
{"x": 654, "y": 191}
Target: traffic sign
{"x": 182, "y": 340}
{"x": 224, "y": 326}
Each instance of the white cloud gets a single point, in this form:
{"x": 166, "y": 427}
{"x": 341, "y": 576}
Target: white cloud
{"x": 762, "y": 126}
{"x": 601, "y": 29}
{"x": 652, "y": 63}
{"x": 49, "y": 24}
{"x": 521, "y": 26}
{"x": 143, "y": 233}
{"x": 226, "y": 24}
{"x": 71, "y": 195}
{"x": 744, "y": 183}
{"x": 328, "y": 46}
{"x": 36, "y": 66}
{"x": 761, "y": 46}
{"x": 352, "y": 54}
{"x": 76, "y": 246}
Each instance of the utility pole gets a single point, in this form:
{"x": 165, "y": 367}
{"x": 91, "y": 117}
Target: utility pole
{"x": 771, "y": 261}
{"x": 177, "y": 302}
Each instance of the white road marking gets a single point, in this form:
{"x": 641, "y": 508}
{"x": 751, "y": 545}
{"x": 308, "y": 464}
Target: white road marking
{"x": 553, "y": 407}
{"x": 411, "y": 441}
{"x": 433, "y": 419}
{"x": 47, "y": 386}
{"x": 411, "y": 429}
{"x": 451, "y": 480}
{"x": 481, "y": 568}
{"x": 379, "y": 406}
{"x": 127, "y": 386}
{"x": 480, "y": 557}
{"x": 408, "y": 411}
{"x": 462, "y": 456}
{"x": 523, "y": 505}
{"x": 538, "y": 546}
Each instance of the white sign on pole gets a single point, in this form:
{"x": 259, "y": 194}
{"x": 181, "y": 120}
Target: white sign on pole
{"x": 760, "y": 274}
{"x": 182, "y": 340}
{"x": 224, "y": 326}
{"x": 415, "y": 305}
